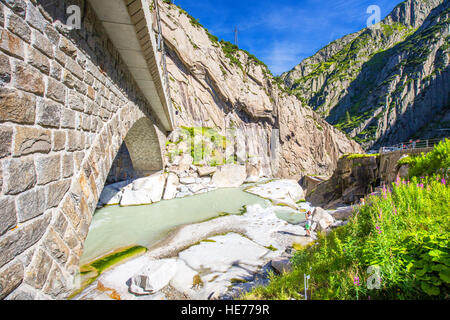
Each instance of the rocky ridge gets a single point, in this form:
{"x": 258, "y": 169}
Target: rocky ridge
{"x": 215, "y": 84}
{"x": 384, "y": 84}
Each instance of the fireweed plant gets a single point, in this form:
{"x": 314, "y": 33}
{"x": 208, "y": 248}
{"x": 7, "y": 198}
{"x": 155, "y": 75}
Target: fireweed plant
{"x": 404, "y": 232}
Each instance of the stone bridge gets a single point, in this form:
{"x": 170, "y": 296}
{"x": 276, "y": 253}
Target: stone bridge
{"x": 69, "y": 99}
{"x": 388, "y": 167}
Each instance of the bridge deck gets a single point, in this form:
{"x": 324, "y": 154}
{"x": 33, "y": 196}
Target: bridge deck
{"x": 129, "y": 26}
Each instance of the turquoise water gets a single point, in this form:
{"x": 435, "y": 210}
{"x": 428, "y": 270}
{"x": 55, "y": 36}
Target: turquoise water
{"x": 293, "y": 216}
{"x": 115, "y": 227}
{"x": 290, "y": 215}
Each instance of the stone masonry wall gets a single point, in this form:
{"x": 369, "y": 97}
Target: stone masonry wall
{"x": 67, "y": 102}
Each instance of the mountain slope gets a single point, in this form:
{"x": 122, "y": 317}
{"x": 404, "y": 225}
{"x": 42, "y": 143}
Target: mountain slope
{"x": 384, "y": 84}
{"x": 215, "y": 84}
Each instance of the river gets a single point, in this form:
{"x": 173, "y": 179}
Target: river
{"x": 116, "y": 227}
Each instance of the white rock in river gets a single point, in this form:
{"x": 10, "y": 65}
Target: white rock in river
{"x": 280, "y": 191}
{"x": 206, "y": 171}
{"x": 187, "y": 180}
{"x": 153, "y": 277}
{"x": 229, "y": 176}
{"x": 226, "y": 251}
{"x": 194, "y": 188}
{"x": 171, "y": 186}
{"x": 153, "y": 185}
{"x": 110, "y": 196}
{"x": 183, "y": 279}
{"x": 135, "y": 198}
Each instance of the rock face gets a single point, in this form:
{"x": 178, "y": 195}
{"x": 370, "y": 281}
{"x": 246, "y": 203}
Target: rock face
{"x": 350, "y": 182}
{"x": 229, "y": 176}
{"x": 281, "y": 264}
{"x": 383, "y": 84}
{"x": 171, "y": 186}
{"x": 286, "y": 192}
{"x": 214, "y": 84}
{"x": 343, "y": 213}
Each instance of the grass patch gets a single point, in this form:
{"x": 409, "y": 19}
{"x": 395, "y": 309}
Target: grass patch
{"x": 359, "y": 156}
{"x": 91, "y": 271}
{"x": 237, "y": 281}
{"x": 197, "y": 281}
{"x": 404, "y": 233}
{"x": 396, "y": 246}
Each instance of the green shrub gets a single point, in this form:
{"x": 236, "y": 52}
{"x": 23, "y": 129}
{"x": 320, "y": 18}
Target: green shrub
{"x": 434, "y": 162}
{"x": 404, "y": 232}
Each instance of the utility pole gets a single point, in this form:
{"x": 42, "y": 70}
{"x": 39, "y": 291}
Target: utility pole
{"x": 236, "y": 32}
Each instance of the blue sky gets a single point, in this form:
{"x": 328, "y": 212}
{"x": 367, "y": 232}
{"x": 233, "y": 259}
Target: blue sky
{"x": 281, "y": 33}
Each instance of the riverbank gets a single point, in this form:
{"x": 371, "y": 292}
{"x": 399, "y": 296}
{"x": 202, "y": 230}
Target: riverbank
{"x": 221, "y": 252}
{"x": 221, "y": 257}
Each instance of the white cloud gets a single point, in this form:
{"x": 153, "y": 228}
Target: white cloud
{"x": 283, "y": 56}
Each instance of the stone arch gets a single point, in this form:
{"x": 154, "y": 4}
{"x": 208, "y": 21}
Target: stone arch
{"x": 143, "y": 145}
{"x": 56, "y": 258}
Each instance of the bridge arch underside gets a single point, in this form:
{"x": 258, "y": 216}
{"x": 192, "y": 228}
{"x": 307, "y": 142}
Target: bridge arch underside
{"x": 50, "y": 268}
{"x": 139, "y": 155}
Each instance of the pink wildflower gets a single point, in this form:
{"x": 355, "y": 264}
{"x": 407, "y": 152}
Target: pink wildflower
{"x": 443, "y": 181}
{"x": 356, "y": 281}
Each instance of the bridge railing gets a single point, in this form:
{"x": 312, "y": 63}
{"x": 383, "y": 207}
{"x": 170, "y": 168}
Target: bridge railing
{"x": 412, "y": 144}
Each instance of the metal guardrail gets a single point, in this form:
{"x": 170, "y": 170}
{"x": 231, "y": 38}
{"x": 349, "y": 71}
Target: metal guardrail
{"x": 412, "y": 144}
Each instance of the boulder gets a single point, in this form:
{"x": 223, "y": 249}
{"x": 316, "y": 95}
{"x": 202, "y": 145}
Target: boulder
{"x": 185, "y": 162}
{"x": 323, "y": 219}
{"x": 339, "y": 223}
{"x": 153, "y": 185}
{"x": 187, "y": 180}
{"x": 194, "y": 188}
{"x": 286, "y": 192}
{"x": 281, "y": 264}
{"x": 131, "y": 197}
{"x": 110, "y": 196}
{"x": 206, "y": 171}
{"x": 171, "y": 186}
{"x": 342, "y": 213}
{"x": 311, "y": 182}
{"x": 153, "y": 277}
{"x": 182, "y": 188}
{"x": 229, "y": 176}
{"x": 184, "y": 194}
{"x": 183, "y": 279}
{"x": 253, "y": 173}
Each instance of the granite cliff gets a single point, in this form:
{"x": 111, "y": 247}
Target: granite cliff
{"x": 215, "y": 84}
{"x": 384, "y": 84}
